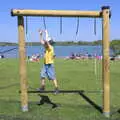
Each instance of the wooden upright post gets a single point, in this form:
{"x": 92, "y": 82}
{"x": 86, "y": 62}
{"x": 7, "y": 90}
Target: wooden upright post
{"x": 22, "y": 65}
{"x": 105, "y": 65}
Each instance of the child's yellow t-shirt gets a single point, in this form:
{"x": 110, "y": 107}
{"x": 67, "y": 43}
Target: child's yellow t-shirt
{"x": 49, "y": 55}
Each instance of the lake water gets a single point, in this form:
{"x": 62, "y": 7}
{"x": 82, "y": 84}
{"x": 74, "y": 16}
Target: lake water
{"x": 60, "y": 51}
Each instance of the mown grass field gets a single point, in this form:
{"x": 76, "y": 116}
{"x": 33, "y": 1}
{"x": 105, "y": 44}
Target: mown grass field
{"x": 71, "y": 74}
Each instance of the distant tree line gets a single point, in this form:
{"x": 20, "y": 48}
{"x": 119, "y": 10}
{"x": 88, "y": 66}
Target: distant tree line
{"x": 7, "y": 44}
{"x": 67, "y": 43}
{"x": 114, "y": 44}
{"x": 57, "y": 43}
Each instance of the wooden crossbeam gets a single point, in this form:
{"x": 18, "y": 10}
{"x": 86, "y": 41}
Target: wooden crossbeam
{"x": 55, "y": 13}
{"x": 63, "y": 91}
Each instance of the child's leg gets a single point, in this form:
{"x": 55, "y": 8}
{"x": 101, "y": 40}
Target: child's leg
{"x": 55, "y": 83}
{"x": 43, "y": 75}
{"x": 43, "y": 83}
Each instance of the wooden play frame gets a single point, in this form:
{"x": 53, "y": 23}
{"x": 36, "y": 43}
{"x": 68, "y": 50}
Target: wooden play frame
{"x": 104, "y": 14}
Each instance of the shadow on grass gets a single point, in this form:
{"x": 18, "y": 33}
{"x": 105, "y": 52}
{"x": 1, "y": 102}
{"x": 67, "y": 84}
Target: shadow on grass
{"x": 46, "y": 99}
{"x": 116, "y": 112}
{"x": 90, "y": 101}
{"x": 73, "y": 106}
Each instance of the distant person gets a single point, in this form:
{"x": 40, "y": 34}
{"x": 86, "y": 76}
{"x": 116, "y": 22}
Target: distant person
{"x": 34, "y": 58}
{"x": 28, "y": 57}
{"x": 112, "y": 58}
{"x": 38, "y": 56}
{"x": 2, "y": 56}
{"x": 86, "y": 55}
{"x": 48, "y": 67}
{"x": 72, "y": 56}
{"x": 89, "y": 56}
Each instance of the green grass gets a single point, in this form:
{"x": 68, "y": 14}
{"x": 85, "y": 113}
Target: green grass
{"x": 71, "y": 74}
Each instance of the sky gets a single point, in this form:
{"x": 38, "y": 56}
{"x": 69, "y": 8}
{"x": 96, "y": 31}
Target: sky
{"x": 8, "y": 24}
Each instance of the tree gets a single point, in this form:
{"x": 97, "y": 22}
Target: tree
{"x": 115, "y": 46}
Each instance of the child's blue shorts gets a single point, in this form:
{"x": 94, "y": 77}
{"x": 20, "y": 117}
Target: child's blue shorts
{"x": 48, "y": 71}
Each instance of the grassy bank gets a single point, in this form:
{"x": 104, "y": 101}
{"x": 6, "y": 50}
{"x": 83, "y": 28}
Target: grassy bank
{"x": 71, "y": 74}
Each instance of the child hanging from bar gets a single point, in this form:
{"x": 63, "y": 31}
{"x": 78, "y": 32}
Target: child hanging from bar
{"x": 48, "y": 67}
